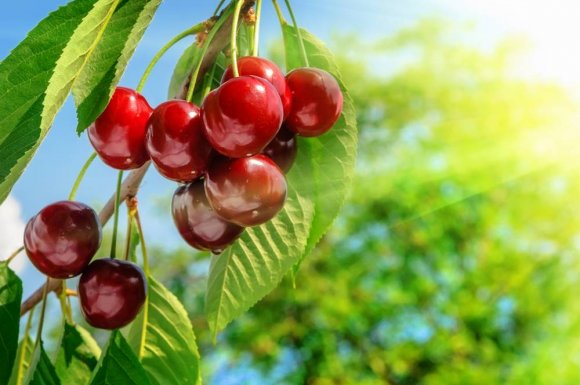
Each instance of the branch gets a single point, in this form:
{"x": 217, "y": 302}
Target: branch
{"x": 132, "y": 183}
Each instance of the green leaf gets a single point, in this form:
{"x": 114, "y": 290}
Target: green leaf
{"x": 256, "y": 263}
{"x": 318, "y": 183}
{"x": 95, "y": 84}
{"x": 244, "y": 40}
{"x": 163, "y": 339}
{"x": 185, "y": 66}
{"x": 119, "y": 365}
{"x": 41, "y": 371}
{"x": 77, "y": 357}
{"x": 182, "y": 69}
{"x": 331, "y": 156}
{"x": 10, "y": 297}
{"x": 22, "y": 363}
{"x": 36, "y": 77}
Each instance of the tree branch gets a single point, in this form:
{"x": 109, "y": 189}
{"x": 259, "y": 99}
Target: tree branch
{"x": 132, "y": 183}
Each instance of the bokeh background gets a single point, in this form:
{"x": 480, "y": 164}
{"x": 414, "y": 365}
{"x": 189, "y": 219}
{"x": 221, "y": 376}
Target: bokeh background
{"x": 456, "y": 258}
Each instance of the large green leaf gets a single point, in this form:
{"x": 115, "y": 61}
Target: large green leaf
{"x": 331, "y": 156}
{"x": 41, "y": 371}
{"x": 35, "y": 79}
{"x": 119, "y": 365}
{"x": 95, "y": 84}
{"x": 22, "y": 363}
{"x": 72, "y": 46}
{"x": 10, "y": 297}
{"x": 255, "y": 264}
{"x": 77, "y": 357}
{"x": 318, "y": 184}
{"x": 163, "y": 339}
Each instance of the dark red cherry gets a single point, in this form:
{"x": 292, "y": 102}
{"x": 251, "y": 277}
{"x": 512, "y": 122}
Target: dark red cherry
{"x": 316, "y": 101}
{"x": 198, "y": 223}
{"x": 111, "y": 293}
{"x": 242, "y": 116}
{"x": 62, "y": 238}
{"x": 176, "y": 142}
{"x": 265, "y": 69}
{"x": 246, "y": 191}
{"x": 118, "y": 134}
{"x": 282, "y": 149}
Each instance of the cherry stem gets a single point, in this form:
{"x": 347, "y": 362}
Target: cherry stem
{"x": 209, "y": 81}
{"x": 80, "y": 176}
{"x": 129, "y": 234}
{"x": 14, "y": 254}
{"x": 256, "y": 40}
{"x": 217, "y": 9}
{"x": 142, "y": 239}
{"x": 42, "y": 313}
{"x": 65, "y": 304}
{"x": 29, "y": 323}
{"x": 217, "y": 26}
{"x": 298, "y": 34}
{"x": 234, "y": 39}
{"x": 279, "y": 13}
{"x": 116, "y": 215}
{"x": 188, "y": 32}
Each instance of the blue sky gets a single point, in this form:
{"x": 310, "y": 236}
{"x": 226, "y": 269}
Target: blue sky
{"x": 52, "y": 171}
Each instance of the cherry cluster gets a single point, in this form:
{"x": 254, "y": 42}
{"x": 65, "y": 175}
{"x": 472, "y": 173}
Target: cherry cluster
{"x": 229, "y": 156}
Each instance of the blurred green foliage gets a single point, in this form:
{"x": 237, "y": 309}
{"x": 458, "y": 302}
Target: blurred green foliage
{"x": 455, "y": 260}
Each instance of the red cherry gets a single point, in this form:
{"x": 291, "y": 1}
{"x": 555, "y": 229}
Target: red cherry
{"x": 242, "y": 116}
{"x": 111, "y": 293}
{"x": 118, "y": 134}
{"x": 62, "y": 238}
{"x": 282, "y": 149}
{"x": 316, "y": 101}
{"x": 265, "y": 69}
{"x": 198, "y": 223}
{"x": 176, "y": 142}
{"x": 246, "y": 191}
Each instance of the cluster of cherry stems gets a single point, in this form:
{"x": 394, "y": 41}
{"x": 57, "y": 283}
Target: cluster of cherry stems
{"x": 229, "y": 156}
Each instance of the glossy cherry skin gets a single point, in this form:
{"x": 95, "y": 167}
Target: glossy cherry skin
{"x": 118, "y": 134}
{"x": 111, "y": 293}
{"x": 176, "y": 142}
{"x": 198, "y": 223}
{"x": 246, "y": 191}
{"x": 265, "y": 69}
{"x": 62, "y": 238}
{"x": 242, "y": 116}
{"x": 282, "y": 149}
{"x": 316, "y": 101}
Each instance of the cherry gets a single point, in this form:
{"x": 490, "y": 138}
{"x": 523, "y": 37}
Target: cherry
{"x": 242, "y": 116}
{"x": 265, "y": 69}
{"x": 282, "y": 149}
{"x": 316, "y": 101}
{"x": 246, "y": 191}
{"x": 176, "y": 142}
{"x": 118, "y": 134}
{"x": 111, "y": 293}
{"x": 62, "y": 238}
{"x": 198, "y": 223}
